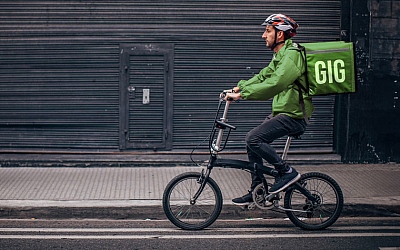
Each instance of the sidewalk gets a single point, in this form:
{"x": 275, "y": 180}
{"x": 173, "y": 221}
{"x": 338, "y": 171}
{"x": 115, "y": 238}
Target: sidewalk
{"x": 136, "y": 192}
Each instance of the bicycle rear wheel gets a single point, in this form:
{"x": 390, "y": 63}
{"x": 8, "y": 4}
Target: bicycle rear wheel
{"x": 321, "y": 214}
{"x": 185, "y": 214}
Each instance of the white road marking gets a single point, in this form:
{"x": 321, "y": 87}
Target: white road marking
{"x": 176, "y": 230}
{"x": 197, "y": 236}
{"x": 175, "y": 233}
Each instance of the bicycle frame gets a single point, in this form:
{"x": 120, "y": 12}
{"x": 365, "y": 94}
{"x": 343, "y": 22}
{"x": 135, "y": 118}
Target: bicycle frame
{"x": 315, "y": 208}
{"x": 215, "y": 148}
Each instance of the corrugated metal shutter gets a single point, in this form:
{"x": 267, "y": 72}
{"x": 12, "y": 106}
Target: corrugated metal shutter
{"x": 59, "y": 66}
{"x": 233, "y": 51}
{"x": 58, "y": 95}
{"x": 146, "y": 122}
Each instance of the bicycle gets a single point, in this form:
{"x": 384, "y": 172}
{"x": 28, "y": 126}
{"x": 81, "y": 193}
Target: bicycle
{"x": 193, "y": 201}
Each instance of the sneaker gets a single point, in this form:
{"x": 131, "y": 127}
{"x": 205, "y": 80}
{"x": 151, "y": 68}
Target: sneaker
{"x": 283, "y": 181}
{"x": 246, "y": 199}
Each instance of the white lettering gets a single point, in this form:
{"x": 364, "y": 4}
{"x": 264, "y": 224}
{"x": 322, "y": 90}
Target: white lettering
{"x": 340, "y": 73}
{"x": 330, "y": 75}
{"x": 326, "y": 72}
{"x": 320, "y": 72}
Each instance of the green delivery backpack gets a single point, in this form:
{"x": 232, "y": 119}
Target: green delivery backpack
{"x": 330, "y": 67}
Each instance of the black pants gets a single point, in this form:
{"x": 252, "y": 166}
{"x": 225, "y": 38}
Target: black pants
{"x": 258, "y": 141}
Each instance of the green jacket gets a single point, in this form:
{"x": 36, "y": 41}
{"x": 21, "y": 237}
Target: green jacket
{"x": 277, "y": 81}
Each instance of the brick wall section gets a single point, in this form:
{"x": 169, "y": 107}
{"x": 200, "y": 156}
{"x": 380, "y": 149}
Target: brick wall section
{"x": 371, "y": 132}
{"x": 385, "y": 37}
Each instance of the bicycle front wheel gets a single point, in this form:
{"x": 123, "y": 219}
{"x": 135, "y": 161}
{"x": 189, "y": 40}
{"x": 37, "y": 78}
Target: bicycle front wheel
{"x": 182, "y": 211}
{"x": 315, "y": 215}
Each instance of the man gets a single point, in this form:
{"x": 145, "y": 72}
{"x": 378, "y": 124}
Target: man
{"x": 280, "y": 80}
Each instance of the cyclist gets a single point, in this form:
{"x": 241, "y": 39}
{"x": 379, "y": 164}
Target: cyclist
{"x": 289, "y": 114}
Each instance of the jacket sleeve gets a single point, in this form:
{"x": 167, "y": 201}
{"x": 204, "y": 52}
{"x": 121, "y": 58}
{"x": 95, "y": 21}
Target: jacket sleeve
{"x": 269, "y": 82}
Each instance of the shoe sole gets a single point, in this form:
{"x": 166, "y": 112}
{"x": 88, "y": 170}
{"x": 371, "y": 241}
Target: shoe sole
{"x": 287, "y": 185}
{"x": 242, "y": 204}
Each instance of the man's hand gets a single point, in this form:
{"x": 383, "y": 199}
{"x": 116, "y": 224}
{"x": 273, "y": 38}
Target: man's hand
{"x": 232, "y": 96}
{"x": 228, "y": 91}
{"x": 234, "y": 90}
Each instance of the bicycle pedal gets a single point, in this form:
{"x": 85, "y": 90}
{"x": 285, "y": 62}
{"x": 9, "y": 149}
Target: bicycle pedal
{"x": 252, "y": 206}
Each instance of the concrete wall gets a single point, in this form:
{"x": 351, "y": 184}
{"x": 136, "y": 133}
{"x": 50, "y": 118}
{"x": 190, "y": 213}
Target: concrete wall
{"x": 373, "y": 113}
{"x": 385, "y": 37}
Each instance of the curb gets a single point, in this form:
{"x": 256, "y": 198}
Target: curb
{"x": 155, "y": 212}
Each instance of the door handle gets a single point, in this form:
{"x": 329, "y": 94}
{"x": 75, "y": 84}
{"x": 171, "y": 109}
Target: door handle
{"x": 132, "y": 90}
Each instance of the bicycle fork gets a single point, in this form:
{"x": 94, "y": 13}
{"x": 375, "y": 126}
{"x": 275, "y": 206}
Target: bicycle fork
{"x": 203, "y": 179}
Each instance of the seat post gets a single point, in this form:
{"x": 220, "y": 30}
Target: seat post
{"x": 286, "y": 149}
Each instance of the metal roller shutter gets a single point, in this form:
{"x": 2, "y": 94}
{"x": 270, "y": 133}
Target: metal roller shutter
{"x": 59, "y": 67}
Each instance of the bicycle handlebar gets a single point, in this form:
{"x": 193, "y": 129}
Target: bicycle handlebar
{"x": 223, "y": 95}
{"x": 216, "y": 142}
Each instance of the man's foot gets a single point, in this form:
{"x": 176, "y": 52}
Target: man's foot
{"x": 246, "y": 199}
{"x": 283, "y": 181}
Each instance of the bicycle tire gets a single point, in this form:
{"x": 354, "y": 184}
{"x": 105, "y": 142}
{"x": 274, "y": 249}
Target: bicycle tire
{"x": 183, "y": 214}
{"x": 329, "y": 202}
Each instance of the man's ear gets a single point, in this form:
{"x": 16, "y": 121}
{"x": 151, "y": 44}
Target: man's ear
{"x": 281, "y": 35}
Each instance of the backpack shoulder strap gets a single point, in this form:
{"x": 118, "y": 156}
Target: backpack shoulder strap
{"x": 301, "y": 88}
{"x": 302, "y": 50}
{"x": 301, "y": 101}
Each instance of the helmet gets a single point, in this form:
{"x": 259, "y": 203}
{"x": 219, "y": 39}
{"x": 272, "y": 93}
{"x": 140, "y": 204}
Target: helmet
{"x": 283, "y": 23}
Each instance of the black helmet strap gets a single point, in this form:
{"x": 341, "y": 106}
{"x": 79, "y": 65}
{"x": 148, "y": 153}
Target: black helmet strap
{"x": 276, "y": 43}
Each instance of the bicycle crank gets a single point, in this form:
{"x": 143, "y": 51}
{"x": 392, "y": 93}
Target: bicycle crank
{"x": 263, "y": 200}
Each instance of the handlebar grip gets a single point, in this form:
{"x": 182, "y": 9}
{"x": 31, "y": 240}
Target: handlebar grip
{"x": 223, "y": 95}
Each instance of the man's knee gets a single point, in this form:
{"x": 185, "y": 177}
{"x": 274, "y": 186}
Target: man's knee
{"x": 251, "y": 140}
{"x": 247, "y": 139}
{"x": 255, "y": 140}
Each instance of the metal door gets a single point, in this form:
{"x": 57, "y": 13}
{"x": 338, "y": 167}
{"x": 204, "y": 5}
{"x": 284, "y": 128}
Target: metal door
{"x": 146, "y": 96}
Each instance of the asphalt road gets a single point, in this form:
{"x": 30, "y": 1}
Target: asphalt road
{"x": 347, "y": 233}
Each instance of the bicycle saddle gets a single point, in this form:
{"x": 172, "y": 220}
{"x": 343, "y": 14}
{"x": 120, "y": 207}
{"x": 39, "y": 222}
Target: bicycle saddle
{"x": 296, "y": 135}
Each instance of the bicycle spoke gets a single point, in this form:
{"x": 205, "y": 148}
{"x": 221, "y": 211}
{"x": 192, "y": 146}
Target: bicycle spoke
{"x": 320, "y": 212}
{"x": 187, "y": 213}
